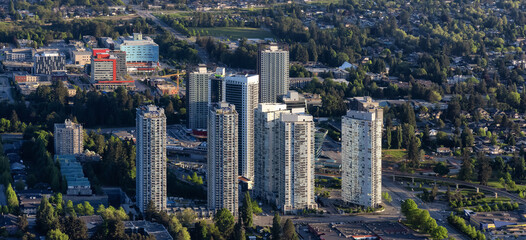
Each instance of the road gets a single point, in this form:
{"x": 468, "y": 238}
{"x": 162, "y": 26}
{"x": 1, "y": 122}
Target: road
{"x": 512, "y": 196}
{"x": 147, "y": 15}
{"x": 436, "y": 210}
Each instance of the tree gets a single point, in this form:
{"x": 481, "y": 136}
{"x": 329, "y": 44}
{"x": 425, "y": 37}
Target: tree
{"x": 151, "y": 211}
{"x": 441, "y": 169}
{"x": 56, "y": 234}
{"x": 484, "y": 169}
{"x": 46, "y": 218}
{"x": 388, "y": 138}
{"x": 467, "y": 137}
{"x": 399, "y": 139}
{"x": 70, "y": 210}
{"x": 276, "y": 226}
{"x": 239, "y": 232}
{"x": 224, "y": 220}
{"x": 413, "y": 151}
{"x": 466, "y": 170}
{"x": 246, "y": 211}
{"x": 74, "y": 228}
{"x": 88, "y": 209}
{"x": 407, "y": 206}
{"x": 439, "y": 233}
{"x": 22, "y": 223}
{"x": 183, "y": 235}
{"x": 187, "y": 217}
{"x": 289, "y": 231}
{"x": 12, "y": 199}
{"x": 201, "y": 230}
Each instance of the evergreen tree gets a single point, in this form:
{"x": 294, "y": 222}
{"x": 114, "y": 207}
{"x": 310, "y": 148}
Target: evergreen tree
{"x": 46, "y": 218}
{"x": 224, "y": 220}
{"x": 276, "y": 226}
{"x": 74, "y": 228}
{"x": 22, "y": 223}
{"x": 246, "y": 211}
{"x": 70, "y": 209}
{"x": 466, "y": 170}
{"x": 399, "y": 139}
{"x": 12, "y": 199}
{"x": 289, "y": 231}
{"x": 239, "y": 232}
{"x": 88, "y": 209}
{"x": 484, "y": 169}
{"x": 388, "y": 138}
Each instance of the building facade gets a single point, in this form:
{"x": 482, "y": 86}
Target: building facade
{"x": 47, "y": 62}
{"x": 81, "y": 58}
{"x": 273, "y": 68}
{"x": 296, "y": 152}
{"x": 242, "y": 92}
{"x": 362, "y": 153}
{"x": 108, "y": 69}
{"x": 142, "y": 53}
{"x": 222, "y": 169}
{"x": 266, "y": 161}
{"x": 151, "y": 157}
{"x": 197, "y": 95}
{"x": 69, "y": 138}
{"x": 216, "y": 89}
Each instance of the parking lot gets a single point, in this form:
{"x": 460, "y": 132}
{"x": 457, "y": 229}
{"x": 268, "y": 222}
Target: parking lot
{"x": 5, "y": 90}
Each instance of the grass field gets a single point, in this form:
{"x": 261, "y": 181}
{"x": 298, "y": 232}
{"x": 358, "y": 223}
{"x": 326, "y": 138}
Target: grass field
{"x": 233, "y": 33}
{"x": 394, "y": 154}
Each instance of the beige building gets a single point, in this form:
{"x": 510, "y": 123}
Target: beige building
{"x": 266, "y": 159}
{"x": 362, "y": 153}
{"x": 81, "y": 58}
{"x": 273, "y": 68}
{"x": 197, "y": 95}
{"x": 296, "y": 162}
{"x": 222, "y": 169}
{"x": 69, "y": 138}
{"x": 151, "y": 157}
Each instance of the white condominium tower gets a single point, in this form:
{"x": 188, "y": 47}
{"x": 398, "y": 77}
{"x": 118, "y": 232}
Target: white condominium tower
{"x": 151, "y": 157}
{"x": 296, "y": 162}
{"x": 69, "y": 138}
{"x": 273, "y": 67}
{"x": 242, "y": 92}
{"x": 362, "y": 153}
{"x": 197, "y": 95}
{"x": 222, "y": 157}
{"x": 266, "y": 158}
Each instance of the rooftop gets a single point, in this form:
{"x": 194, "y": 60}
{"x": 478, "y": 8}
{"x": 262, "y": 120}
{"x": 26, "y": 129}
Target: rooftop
{"x": 151, "y": 229}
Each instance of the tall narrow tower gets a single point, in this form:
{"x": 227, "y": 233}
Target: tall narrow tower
{"x": 296, "y": 162}
{"x": 273, "y": 67}
{"x": 362, "y": 153}
{"x": 222, "y": 157}
{"x": 151, "y": 157}
{"x": 242, "y": 92}
{"x": 197, "y": 95}
{"x": 266, "y": 158}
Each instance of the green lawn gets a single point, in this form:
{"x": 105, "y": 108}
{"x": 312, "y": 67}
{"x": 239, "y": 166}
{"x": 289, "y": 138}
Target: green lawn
{"x": 233, "y": 33}
{"x": 394, "y": 154}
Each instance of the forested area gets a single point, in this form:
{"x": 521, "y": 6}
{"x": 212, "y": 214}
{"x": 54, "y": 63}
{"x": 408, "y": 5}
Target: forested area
{"x": 92, "y": 109}
{"x": 175, "y": 51}
{"x": 35, "y": 29}
{"x": 245, "y": 56}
